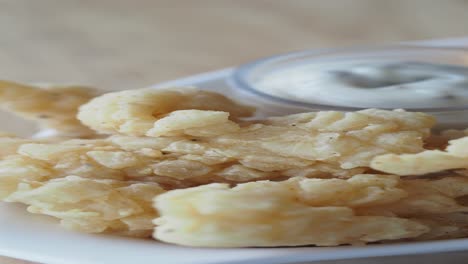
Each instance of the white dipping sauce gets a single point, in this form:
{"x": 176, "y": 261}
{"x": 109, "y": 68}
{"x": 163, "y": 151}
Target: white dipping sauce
{"x": 371, "y": 84}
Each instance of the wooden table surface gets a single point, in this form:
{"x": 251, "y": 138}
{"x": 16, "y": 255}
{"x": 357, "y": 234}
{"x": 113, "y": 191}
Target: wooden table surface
{"x": 121, "y": 44}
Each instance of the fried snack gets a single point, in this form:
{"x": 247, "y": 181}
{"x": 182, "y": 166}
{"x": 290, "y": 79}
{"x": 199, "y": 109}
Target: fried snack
{"x": 455, "y": 157}
{"x": 274, "y": 150}
{"x": 304, "y": 172}
{"x": 332, "y": 140}
{"x": 322, "y": 212}
{"x": 16, "y": 169}
{"x": 146, "y": 111}
{"x": 444, "y": 226}
{"x": 42, "y": 161}
{"x": 256, "y": 152}
{"x": 9, "y": 145}
{"x": 440, "y": 204}
{"x": 53, "y": 107}
{"x": 290, "y": 213}
{"x": 103, "y": 159}
{"x": 323, "y": 144}
{"x": 92, "y": 206}
{"x": 344, "y": 140}
{"x": 427, "y": 197}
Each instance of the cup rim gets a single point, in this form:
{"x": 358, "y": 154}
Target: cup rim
{"x": 239, "y": 78}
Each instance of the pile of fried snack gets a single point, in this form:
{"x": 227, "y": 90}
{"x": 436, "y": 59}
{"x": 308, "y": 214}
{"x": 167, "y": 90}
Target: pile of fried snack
{"x": 185, "y": 166}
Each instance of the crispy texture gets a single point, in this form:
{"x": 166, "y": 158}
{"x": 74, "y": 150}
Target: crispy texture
{"x": 330, "y": 140}
{"x": 455, "y": 157}
{"x": 150, "y": 111}
{"x": 314, "y": 145}
{"x": 105, "y": 159}
{"x": 290, "y": 213}
{"x": 304, "y": 172}
{"x": 275, "y": 150}
{"x": 440, "y": 204}
{"x": 322, "y": 212}
{"x": 92, "y": 206}
{"x": 43, "y": 161}
{"x": 443, "y": 226}
{"x": 53, "y": 107}
{"x": 345, "y": 140}
{"x": 425, "y": 197}
{"x": 9, "y": 145}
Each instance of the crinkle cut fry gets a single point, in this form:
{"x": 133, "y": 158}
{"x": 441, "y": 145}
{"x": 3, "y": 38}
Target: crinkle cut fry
{"x": 52, "y": 107}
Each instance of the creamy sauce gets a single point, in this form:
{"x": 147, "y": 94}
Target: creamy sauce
{"x": 371, "y": 84}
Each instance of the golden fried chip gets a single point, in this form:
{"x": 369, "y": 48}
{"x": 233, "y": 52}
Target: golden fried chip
{"x": 342, "y": 139}
{"x": 426, "y": 197}
{"x": 299, "y": 177}
{"x": 339, "y": 140}
{"x": 9, "y": 145}
{"x": 298, "y": 211}
{"x": 290, "y": 213}
{"x": 53, "y": 107}
{"x": 273, "y": 150}
{"x": 90, "y": 205}
{"x": 444, "y": 226}
{"x": 193, "y": 122}
{"x": 455, "y": 157}
{"x": 148, "y": 111}
{"x": 15, "y": 169}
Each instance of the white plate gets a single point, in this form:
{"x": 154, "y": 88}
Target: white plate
{"x": 39, "y": 238}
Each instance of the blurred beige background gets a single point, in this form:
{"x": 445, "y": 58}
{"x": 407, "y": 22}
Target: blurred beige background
{"x": 122, "y": 44}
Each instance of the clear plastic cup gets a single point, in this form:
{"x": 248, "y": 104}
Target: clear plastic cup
{"x": 245, "y": 78}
